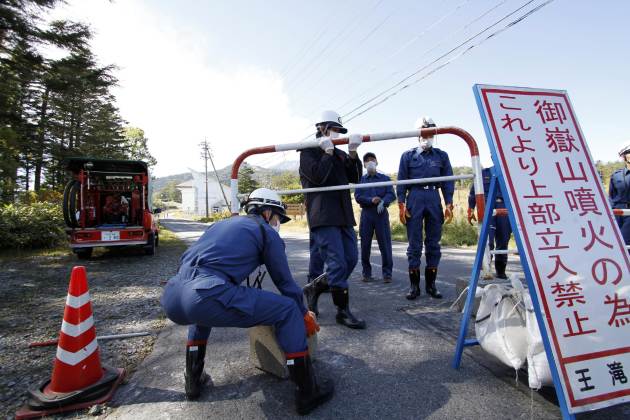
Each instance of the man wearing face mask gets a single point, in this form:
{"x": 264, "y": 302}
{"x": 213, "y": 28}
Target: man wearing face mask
{"x": 206, "y": 292}
{"x": 420, "y": 208}
{"x": 375, "y": 218}
{"x": 330, "y": 216}
{"x": 619, "y": 192}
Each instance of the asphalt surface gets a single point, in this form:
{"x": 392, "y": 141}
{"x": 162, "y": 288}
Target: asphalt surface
{"x": 398, "y": 368}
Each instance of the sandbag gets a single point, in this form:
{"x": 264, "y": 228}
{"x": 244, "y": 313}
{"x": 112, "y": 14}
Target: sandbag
{"x": 500, "y": 325}
{"x": 538, "y": 371}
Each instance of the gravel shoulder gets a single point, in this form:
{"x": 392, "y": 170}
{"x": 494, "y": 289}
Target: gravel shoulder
{"x": 125, "y": 286}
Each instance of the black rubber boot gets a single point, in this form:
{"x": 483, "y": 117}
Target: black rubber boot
{"x": 194, "y": 375}
{"x": 312, "y": 291}
{"x": 430, "y": 274}
{"x": 309, "y": 392}
{"x": 500, "y": 266}
{"x": 344, "y": 317}
{"x": 414, "y": 280}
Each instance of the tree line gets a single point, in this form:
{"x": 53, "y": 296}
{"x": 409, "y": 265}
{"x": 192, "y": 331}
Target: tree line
{"x": 56, "y": 100}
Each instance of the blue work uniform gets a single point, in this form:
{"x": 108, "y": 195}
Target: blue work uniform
{"x": 206, "y": 292}
{"x": 423, "y": 202}
{"x": 500, "y": 228}
{"x": 315, "y": 262}
{"x": 372, "y": 222}
{"x": 330, "y": 216}
{"x": 619, "y": 193}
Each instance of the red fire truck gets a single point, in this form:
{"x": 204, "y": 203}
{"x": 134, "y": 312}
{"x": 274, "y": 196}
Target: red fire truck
{"x": 108, "y": 203}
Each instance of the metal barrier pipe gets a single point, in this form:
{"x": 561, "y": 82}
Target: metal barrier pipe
{"x": 425, "y": 132}
{"x": 375, "y": 184}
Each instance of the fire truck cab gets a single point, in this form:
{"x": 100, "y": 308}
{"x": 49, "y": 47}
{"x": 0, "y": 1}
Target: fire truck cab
{"x": 108, "y": 203}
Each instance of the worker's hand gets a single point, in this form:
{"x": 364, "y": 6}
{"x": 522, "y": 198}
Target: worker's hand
{"x": 327, "y": 145}
{"x": 471, "y": 216}
{"x": 381, "y": 207}
{"x": 310, "y": 322}
{"x": 376, "y": 200}
{"x": 448, "y": 213}
{"x": 354, "y": 141}
{"x": 403, "y": 213}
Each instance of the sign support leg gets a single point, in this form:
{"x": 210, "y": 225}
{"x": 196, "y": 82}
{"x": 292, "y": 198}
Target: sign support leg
{"x": 474, "y": 277}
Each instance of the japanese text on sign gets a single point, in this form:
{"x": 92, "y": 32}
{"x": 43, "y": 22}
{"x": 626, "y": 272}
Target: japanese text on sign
{"x": 572, "y": 245}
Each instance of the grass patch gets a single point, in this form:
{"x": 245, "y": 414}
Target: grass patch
{"x": 17, "y": 253}
{"x": 168, "y": 238}
{"x": 458, "y": 233}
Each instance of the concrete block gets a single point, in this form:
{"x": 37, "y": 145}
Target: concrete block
{"x": 266, "y": 354}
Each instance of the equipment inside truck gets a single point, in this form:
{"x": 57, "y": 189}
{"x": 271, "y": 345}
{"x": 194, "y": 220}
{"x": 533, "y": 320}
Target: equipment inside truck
{"x": 108, "y": 203}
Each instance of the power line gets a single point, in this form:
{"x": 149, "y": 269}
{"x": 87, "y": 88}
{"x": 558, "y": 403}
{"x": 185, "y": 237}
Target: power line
{"x": 291, "y": 64}
{"x": 506, "y": 27}
{"x": 451, "y": 35}
{"x": 344, "y": 57}
{"x": 309, "y": 68}
{"x": 437, "y": 59}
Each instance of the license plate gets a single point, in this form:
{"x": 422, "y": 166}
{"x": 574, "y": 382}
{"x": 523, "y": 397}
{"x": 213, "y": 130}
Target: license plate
{"x": 110, "y": 235}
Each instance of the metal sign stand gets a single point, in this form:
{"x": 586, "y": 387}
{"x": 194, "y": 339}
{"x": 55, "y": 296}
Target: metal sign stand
{"x": 462, "y": 341}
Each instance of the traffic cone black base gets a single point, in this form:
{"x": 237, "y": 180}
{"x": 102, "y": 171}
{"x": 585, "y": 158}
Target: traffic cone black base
{"x": 41, "y": 403}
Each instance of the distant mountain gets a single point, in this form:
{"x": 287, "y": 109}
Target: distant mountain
{"x": 262, "y": 175}
{"x": 289, "y": 165}
{"x": 160, "y": 183}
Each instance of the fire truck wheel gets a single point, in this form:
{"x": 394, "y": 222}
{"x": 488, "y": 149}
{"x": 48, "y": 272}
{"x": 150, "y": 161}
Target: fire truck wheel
{"x": 83, "y": 253}
{"x": 149, "y": 248}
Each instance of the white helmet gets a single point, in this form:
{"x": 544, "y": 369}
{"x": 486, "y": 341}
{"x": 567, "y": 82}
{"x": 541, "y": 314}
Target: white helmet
{"x": 625, "y": 149}
{"x": 425, "y": 122}
{"x": 264, "y": 197}
{"x": 332, "y": 119}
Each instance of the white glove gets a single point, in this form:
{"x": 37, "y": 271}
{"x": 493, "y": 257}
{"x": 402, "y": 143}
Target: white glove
{"x": 354, "y": 141}
{"x": 326, "y": 144}
{"x": 381, "y": 207}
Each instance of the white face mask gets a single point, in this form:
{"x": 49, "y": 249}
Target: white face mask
{"x": 371, "y": 167}
{"x": 426, "y": 143}
{"x": 333, "y": 134}
{"x": 276, "y": 227}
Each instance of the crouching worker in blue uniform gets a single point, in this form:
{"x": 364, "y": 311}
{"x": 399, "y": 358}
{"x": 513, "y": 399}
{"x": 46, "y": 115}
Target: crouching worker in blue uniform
{"x": 206, "y": 292}
{"x": 375, "y": 218}
{"x": 500, "y": 228}
{"x": 619, "y": 192}
{"x": 420, "y": 208}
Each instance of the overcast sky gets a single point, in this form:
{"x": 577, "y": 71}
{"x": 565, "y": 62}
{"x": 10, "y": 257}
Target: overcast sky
{"x": 255, "y": 72}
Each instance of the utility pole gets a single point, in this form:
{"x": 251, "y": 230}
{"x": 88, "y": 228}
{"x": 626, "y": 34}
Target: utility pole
{"x": 205, "y": 153}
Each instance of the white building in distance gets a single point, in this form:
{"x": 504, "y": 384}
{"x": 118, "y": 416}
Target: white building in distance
{"x": 194, "y": 194}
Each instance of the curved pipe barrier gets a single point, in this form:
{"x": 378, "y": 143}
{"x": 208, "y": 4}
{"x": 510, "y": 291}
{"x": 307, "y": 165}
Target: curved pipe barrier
{"x": 425, "y": 132}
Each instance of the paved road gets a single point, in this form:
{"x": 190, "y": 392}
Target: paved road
{"x": 398, "y": 368}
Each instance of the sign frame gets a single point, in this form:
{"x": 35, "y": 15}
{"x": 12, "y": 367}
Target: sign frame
{"x": 499, "y": 181}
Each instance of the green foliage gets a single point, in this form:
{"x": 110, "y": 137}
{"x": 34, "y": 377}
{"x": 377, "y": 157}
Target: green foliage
{"x": 288, "y": 181}
{"x": 54, "y": 108}
{"x": 606, "y": 169}
{"x": 399, "y": 232}
{"x": 457, "y": 233}
{"x": 463, "y": 183}
{"x": 246, "y": 182}
{"x": 36, "y": 225}
{"x": 170, "y": 192}
{"x": 215, "y": 217}
{"x": 137, "y": 149}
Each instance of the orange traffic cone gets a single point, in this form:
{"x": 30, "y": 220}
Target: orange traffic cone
{"x": 78, "y": 380}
